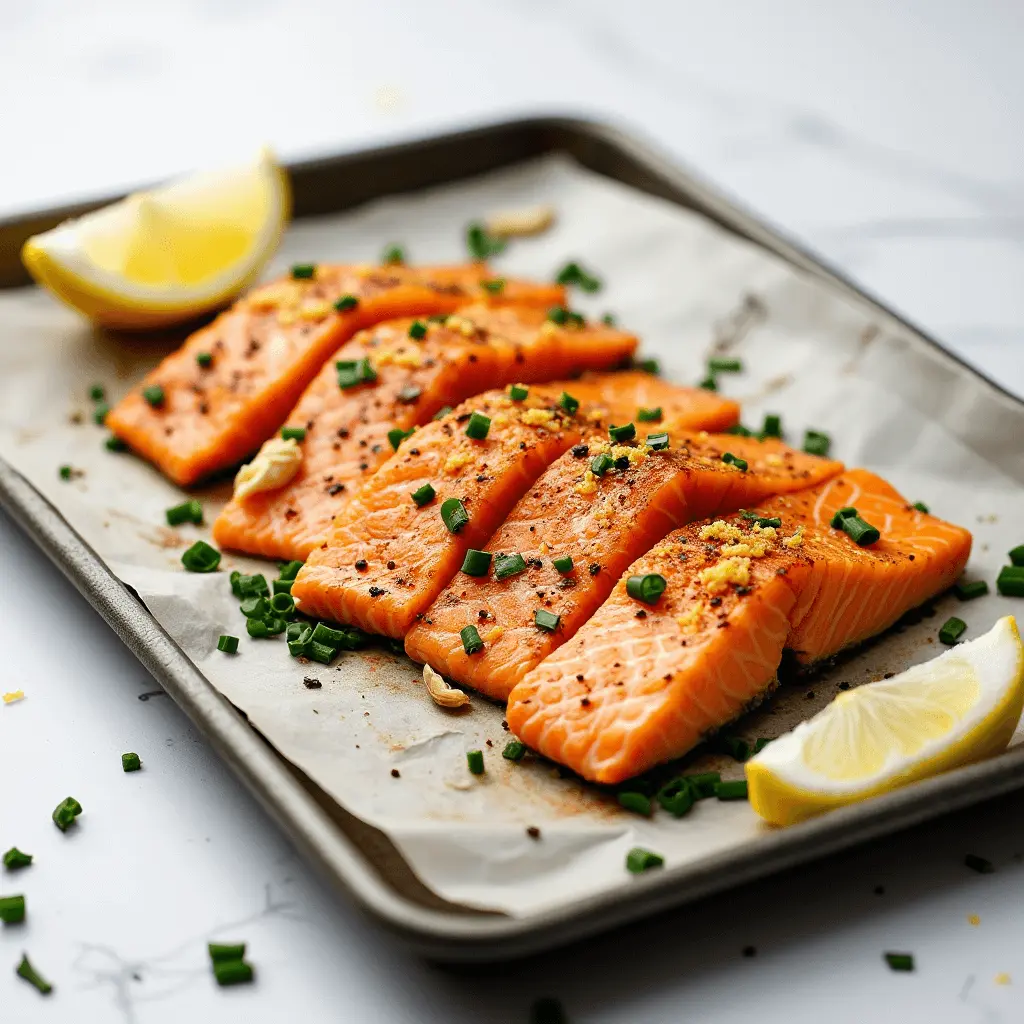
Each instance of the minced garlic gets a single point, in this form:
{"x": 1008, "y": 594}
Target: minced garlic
{"x": 689, "y": 621}
{"x": 721, "y": 530}
{"x": 796, "y": 540}
{"x": 456, "y": 461}
{"x": 493, "y": 634}
{"x": 315, "y": 311}
{"x": 275, "y": 464}
{"x": 548, "y": 329}
{"x": 462, "y": 324}
{"x": 440, "y": 692}
{"x": 407, "y": 357}
{"x": 748, "y": 549}
{"x": 588, "y": 485}
{"x": 634, "y": 455}
{"x": 733, "y": 571}
{"x": 538, "y": 417}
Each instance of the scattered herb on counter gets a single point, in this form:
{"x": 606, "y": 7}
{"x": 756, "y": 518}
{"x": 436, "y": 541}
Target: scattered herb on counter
{"x": 130, "y": 762}
{"x": 703, "y": 784}
{"x": 232, "y": 972}
{"x": 289, "y": 570}
{"x": 817, "y": 443}
{"x": 1010, "y": 581}
{"x": 1017, "y": 556}
{"x": 609, "y": 320}
{"x": 475, "y": 761}
{"x": 14, "y": 859}
{"x": 574, "y": 274}
{"x": 968, "y": 591}
{"x": 899, "y": 961}
{"x": 200, "y": 557}
{"x": 481, "y": 244}
{"x": 97, "y": 392}
{"x": 736, "y": 790}
{"x": 709, "y": 384}
{"x": 303, "y": 271}
{"x": 115, "y": 444}
{"x": 100, "y": 413}
{"x": 392, "y": 255}
{"x": 651, "y": 366}
{"x": 32, "y": 976}
{"x": 12, "y": 909}
{"x": 952, "y": 629}
{"x": 187, "y": 512}
{"x": 677, "y": 796}
{"x": 227, "y": 644}
{"x": 979, "y": 864}
{"x": 65, "y": 472}
{"x": 639, "y": 860}
{"x": 760, "y": 743}
{"x": 638, "y": 803}
{"x": 514, "y": 750}
{"x": 772, "y": 425}
{"x": 722, "y": 365}
{"x": 65, "y": 813}
{"x": 736, "y": 747}
{"x": 220, "y": 952}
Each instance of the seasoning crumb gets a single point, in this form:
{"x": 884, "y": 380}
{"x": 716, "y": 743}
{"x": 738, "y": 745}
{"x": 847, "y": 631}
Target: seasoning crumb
{"x": 310, "y": 683}
{"x": 979, "y": 864}
{"x": 1002, "y": 978}
{"x": 395, "y": 773}
{"x": 973, "y": 919}
{"x": 504, "y": 725}
{"x": 533, "y": 832}
{"x": 809, "y": 695}
{"x": 844, "y": 685}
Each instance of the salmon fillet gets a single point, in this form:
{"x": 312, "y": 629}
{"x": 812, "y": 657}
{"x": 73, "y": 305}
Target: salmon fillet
{"x": 265, "y": 350}
{"x": 405, "y": 554}
{"x": 602, "y": 523}
{"x": 347, "y": 430}
{"x": 631, "y": 690}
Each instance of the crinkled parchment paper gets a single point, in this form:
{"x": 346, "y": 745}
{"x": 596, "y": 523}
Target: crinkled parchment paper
{"x": 890, "y": 402}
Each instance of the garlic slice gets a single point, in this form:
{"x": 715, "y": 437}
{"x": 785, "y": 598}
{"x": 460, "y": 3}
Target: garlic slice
{"x": 275, "y": 464}
{"x": 443, "y": 694}
{"x": 532, "y": 220}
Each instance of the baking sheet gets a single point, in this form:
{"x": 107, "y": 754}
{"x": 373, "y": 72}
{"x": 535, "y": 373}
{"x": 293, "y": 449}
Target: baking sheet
{"x": 687, "y": 287}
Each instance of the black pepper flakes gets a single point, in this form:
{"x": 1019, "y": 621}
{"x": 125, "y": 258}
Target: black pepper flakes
{"x": 641, "y": 614}
{"x": 395, "y": 773}
{"x": 362, "y": 564}
{"x": 376, "y": 591}
{"x": 594, "y": 569}
{"x": 533, "y": 832}
{"x": 335, "y": 489}
{"x": 391, "y": 564}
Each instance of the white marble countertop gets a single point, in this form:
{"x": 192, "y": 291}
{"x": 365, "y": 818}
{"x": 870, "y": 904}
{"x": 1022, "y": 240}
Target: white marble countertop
{"x": 884, "y": 135}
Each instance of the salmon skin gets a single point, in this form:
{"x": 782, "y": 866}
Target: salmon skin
{"x": 346, "y": 439}
{"x": 206, "y": 414}
{"x": 631, "y": 691}
{"x": 387, "y": 559}
{"x": 602, "y": 523}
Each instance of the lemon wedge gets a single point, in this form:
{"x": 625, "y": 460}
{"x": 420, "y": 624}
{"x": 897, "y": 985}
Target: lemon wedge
{"x": 161, "y": 257}
{"x": 960, "y": 707}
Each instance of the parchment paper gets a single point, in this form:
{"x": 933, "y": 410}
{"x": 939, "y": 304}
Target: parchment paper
{"x": 890, "y": 402}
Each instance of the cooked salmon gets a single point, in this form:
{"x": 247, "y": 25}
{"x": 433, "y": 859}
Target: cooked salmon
{"x": 233, "y": 382}
{"x": 602, "y": 523}
{"x": 386, "y": 559}
{"x": 347, "y": 429}
{"x": 643, "y": 682}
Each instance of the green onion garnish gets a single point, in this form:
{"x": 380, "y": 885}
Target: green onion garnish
{"x": 546, "y": 620}
{"x": 481, "y": 244}
{"x": 817, "y": 443}
{"x": 346, "y": 303}
{"x": 568, "y": 403}
{"x": 417, "y": 330}
{"x": 201, "y": 558}
{"x": 32, "y": 976}
{"x": 709, "y": 384}
{"x": 115, "y": 444}
{"x": 289, "y": 570}
{"x": 609, "y": 320}
{"x": 518, "y": 393}
{"x": 97, "y": 392}
{"x": 600, "y": 464}
{"x": 657, "y": 442}
{"x": 733, "y": 460}
{"x": 65, "y": 472}
{"x": 509, "y": 565}
{"x": 100, "y": 413}
{"x": 1010, "y": 581}
{"x": 624, "y": 433}
{"x": 495, "y": 287}
{"x": 639, "y": 860}
{"x": 1017, "y": 556}
{"x": 739, "y": 430}
{"x": 514, "y": 750}
{"x": 736, "y": 790}
{"x": 353, "y": 372}
{"x": 249, "y": 586}
{"x": 952, "y": 629}
{"x": 703, "y": 784}
{"x": 979, "y": 864}
{"x": 899, "y": 961}
{"x": 320, "y": 653}
{"x": 573, "y": 273}
{"x": 283, "y": 586}
{"x": 646, "y": 588}
{"x": 396, "y": 435}
{"x": 772, "y": 425}
{"x": 476, "y": 563}
{"x": 677, "y": 796}
{"x": 12, "y": 909}
{"x": 635, "y": 802}
{"x": 471, "y": 642}
{"x": 735, "y": 746}
{"x": 860, "y": 532}
{"x": 187, "y": 512}
{"x": 454, "y": 514}
{"x": 255, "y": 607}
{"x": 761, "y": 521}
{"x": 329, "y": 637}
{"x": 295, "y": 630}
{"x": 257, "y": 628}
{"x": 298, "y": 644}
{"x": 303, "y": 271}
{"x": 204, "y": 359}
{"x": 563, "y": 564}
{"x": 232, "y": 972}
{"x": 651, "y": 366}
{"x": 649, "y": 415}
{"x": 227, "y": 644}
{"x": 293, "y": 433}
{"x": 154, "y": 395}
{"x": 478, "y": 426}
{"x": 130, "y": 762}
{"x": 475, "y": 761}
{"x": 842, "y": 515}
{"x": 220, "y": 952}
{"x": 409, "y": 394}
{"x": 65, "y": 812}
{"x": 718, "y": 365}
{"x": 392, "y": 254}
{"x": 14, "y": 859}
{"x": 283, "y": 605}
{"x": 424, "y": 495}
{"x": 563, "y": 317}
{"x": 969, "y": 591}
{"x": 438, "y": 318}
{"x": 921, "y": 507}
{"x": 760, "y": 743}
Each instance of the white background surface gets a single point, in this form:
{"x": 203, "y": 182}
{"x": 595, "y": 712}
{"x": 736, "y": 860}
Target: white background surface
{"x": 886, "y": 135}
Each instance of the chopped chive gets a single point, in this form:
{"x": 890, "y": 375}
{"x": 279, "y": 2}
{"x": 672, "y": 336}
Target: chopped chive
{"x": 739, "y": 430}
{"x": 424, "y": 495}
{"x": 509, "y": 565}
{"x": 703, "y": 784}
{"x": 293, "y": 433}
{"x": 232, "y": 972}
{"x": 921, "y": 507}
{"x": 646, "y": 588}
{"x": 762, "y": 521}
{"x": 609, "y": 320}
{"x": 657, "y": 442}
{"x": 187, "y": 512}
{"x": 573, "y": 273}
{"x": 600, "y": 464}
{"x": 677, "y": 796}
{"x": 760, "y": 743}
{"x": 639, "y": 860}
{"x": 736, "y": 790}
{"x": 859, "y": 531}
{"x": 1017, "y": 556}
{"x": 817, "y": 443}
{"x": 709, "y": 384}
{"x": 65, "y": 472}
{"x": 772, "y": 425}
{"x": 475, "y": 761}
{"x": 65, "y": 812}
{"x": 481, "y": 244}
{"x": 154, "y": 395}
{"x": 624, "y": 433}
{"x": 546, "y": 620}
{"x": 442, "y": 412}
{"x": 32, "y": 976}
{"x": 563, "y": 564}
{"x": 478, "y": 426}
{"x": 219, "y": 952}
{"x": 1010, "y": 581}
{"x": 718, "y": 365}
{"x": 97, "y": 392}
{"x": 303, "y": 271}
{"x": 257, "y": 629}
{"x": 100, "y": 413}
{"x": 843, "y": 514}
{"x": 968, "y": 591}
{"x": 517, "y": 392}
{"x": 115, "y": 444}
{"x": 952, "y": 629}
{"x": 568, "y": 403}
{"x": 289, "y": 570}
{"x": 651, "y": 366}
{"x": 476, "y": 563}
{"x": 495, "y": 287}
{"x": 471, "y": 642}
{"x": 12, "y": 909}
{"x": 563, "y": 317}
{"x": 283, "y": 586}
{"x": 283, "y": 605}
{"x": 899, "y": 961}
{"x": 329, "y": 637}
{"x": 514, "y": 750}
{"x": 409, "y": 394}
{"x": 353, "y": 372}
{"x": 346, "y": 303}
{"x": 249, "y": 586}
{"x": 417, "y": 330}
{"x": 733, "y": 460}
{"x": 204, "y": 359}
{"x": 392, "y": 254}
{"x": 298, "y": 644}
{"x": 130, "y": 762}
{"x": 635, "y": 802}
{"x": 320, "y": 653}
{"x": 227, "y": 644}
{"x": 295, "y": 630}
{"x": 201, "y": 557}
{"x": 979, "y": 864}
{"x": 454, "y": 514}
{"x": 649, "y": 415}
{"x": 736, "y": 747}
{"x": 15, "y": 859}
{"x": 396, "y": 435}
